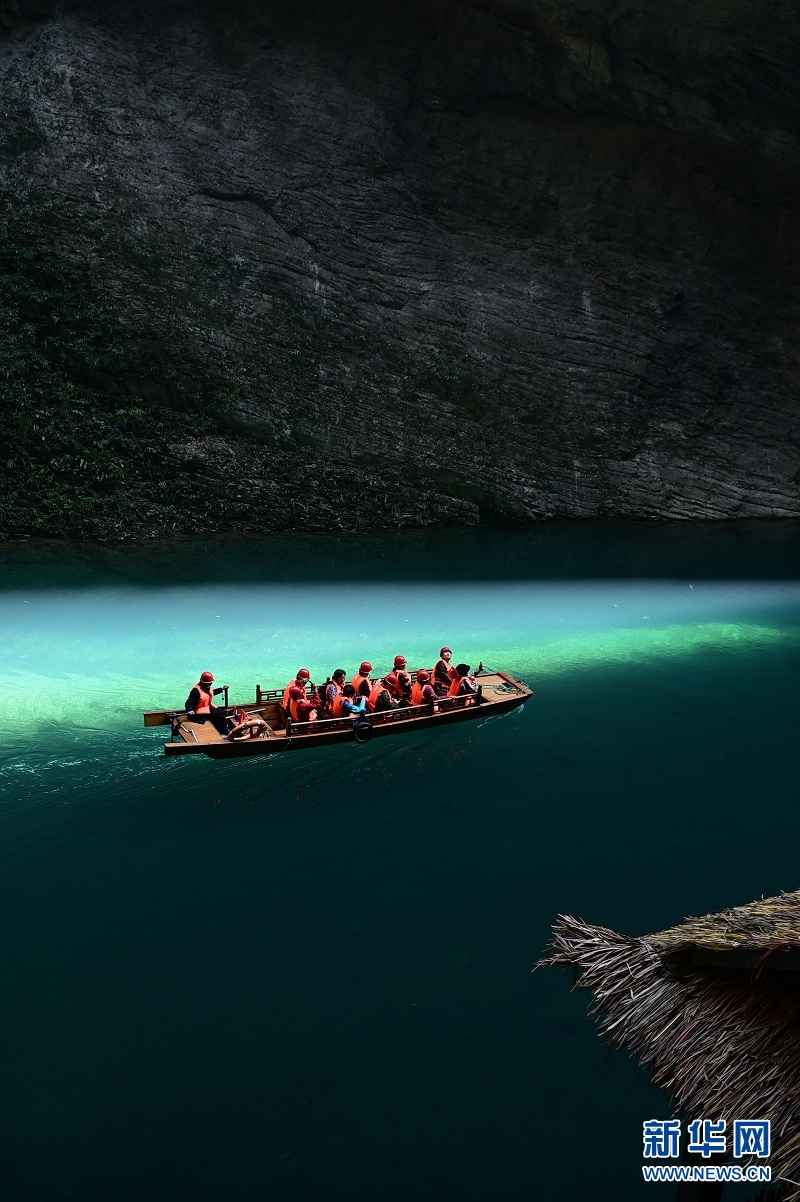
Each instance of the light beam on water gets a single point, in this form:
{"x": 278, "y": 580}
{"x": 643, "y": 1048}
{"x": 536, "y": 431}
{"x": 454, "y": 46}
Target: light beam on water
{"x": 96, "y": 657}
{"x": 81, "y": 665}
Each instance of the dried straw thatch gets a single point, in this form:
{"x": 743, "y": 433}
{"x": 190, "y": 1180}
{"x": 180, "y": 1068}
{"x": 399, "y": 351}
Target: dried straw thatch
{"x": 723, "y": 1041}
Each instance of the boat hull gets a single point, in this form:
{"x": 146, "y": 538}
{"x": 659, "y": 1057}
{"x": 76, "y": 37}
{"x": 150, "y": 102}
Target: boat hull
{"x": 224, "y": 751}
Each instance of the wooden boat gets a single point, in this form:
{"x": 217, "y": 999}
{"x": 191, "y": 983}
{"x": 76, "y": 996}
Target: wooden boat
{"x": 497, "y": 693}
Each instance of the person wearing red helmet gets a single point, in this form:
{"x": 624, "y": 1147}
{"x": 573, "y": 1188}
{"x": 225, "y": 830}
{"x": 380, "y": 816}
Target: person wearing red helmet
{"x": 444, "y": 673}
{"x": 300, "y": 708}
{"x": 361, "y": 681}
{"x": 381, "y": 697}
{"x": 403, "y": 692}
{"x": 200, "y": 703}
{"x": 300, "y": 681}
{"x": 422, "y": 691}
{"x": 392, "y": 683}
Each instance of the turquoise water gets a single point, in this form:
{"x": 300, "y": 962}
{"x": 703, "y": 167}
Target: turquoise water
{"x": 309, "y": 977}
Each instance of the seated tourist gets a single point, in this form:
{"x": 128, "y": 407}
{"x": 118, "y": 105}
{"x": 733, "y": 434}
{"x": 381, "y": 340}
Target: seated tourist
{"x": 347, "y": 705}
{"x": 380, "y": 698}
{"x": 361, "y": 681}
{"x": 463, "y": 683}
{"x": 300, "y": 708}
{"x": 393, "y": 685}
{"x": 443, "y": 673}
{"x": 403, "y": 678}
{"x": 332, "y": 689}
{"x": 302, "y": 679}
{"x": 423, "y": 691}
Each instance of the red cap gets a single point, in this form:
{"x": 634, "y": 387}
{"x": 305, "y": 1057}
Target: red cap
{"x": 423, "y": 675}
{"x": 295, "y": 691}
{"x": 304, "y": 674}
{"x": 365, "y": 667}
{"x": 450, "y": 649}
{"x": 400, "y": 661}
{"x": 207, "y": 677}
{"x": 391, "y": 680}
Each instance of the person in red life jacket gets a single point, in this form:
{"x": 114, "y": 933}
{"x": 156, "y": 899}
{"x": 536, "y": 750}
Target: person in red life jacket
{"x": 443, "y": 673}
{"x": 422, "y": 691}
{"x": 302, "y": 679}
{"x": 380, "y": 698}
{"x": 200, "y": 703}
{"x": 300, "y": 708}
{"x": 361, "y": 681}
{"x": 403, "y": 678}
{"x": 463, "y": 684}
{"x": 399, "y": 686}
{"x": 393, "y": 685}
{"x": 333, "y": 689}
{"x": 347, "y": 705}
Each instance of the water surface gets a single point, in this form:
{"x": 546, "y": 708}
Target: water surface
{"x": 309, "y": 976}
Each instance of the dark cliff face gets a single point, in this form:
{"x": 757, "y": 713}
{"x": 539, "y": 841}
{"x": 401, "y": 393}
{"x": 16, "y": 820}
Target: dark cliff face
{"x": 398, "y": 263}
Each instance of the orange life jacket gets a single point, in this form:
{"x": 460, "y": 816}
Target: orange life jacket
{"x": 291, "y": 685}
{"x": 418, "y": 693}
{"x": 456, "y": 689}
{"x": 403, "y": 682}
{"x": 324, "y": 696}
{"x": 443, "y": 671}
{"x": 372, "y": 700}
{"x": 300, "y": 709}
{"x": 206, "y": 698}
{"x": 337, "y": 709}
{"x": 357, "y": 682}
{"x": 393, "y": 686}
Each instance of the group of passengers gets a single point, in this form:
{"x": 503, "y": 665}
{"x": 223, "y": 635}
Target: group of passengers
{"x": 304, "y": 701}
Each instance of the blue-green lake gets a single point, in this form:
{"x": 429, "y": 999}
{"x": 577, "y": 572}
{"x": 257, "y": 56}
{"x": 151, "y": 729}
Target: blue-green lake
{"x": 308, "y": 977}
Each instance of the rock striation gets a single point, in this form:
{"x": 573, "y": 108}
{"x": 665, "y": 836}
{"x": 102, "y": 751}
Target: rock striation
{"x": 418, "y": 263}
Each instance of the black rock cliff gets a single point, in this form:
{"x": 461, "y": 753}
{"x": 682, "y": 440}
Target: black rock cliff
{"x": 393, "y": 263}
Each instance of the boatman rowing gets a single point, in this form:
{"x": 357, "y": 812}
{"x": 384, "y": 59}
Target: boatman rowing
{"x": 200, "y": 703}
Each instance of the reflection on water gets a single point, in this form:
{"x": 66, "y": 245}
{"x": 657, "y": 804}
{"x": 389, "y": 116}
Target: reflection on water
{"x": 298, "y": 976}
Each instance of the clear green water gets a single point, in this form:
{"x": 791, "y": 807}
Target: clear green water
{"x": 309, "y": 977}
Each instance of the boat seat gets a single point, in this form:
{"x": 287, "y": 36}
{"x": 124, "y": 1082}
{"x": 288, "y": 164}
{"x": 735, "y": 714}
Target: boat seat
{"x": 205, "y": 732}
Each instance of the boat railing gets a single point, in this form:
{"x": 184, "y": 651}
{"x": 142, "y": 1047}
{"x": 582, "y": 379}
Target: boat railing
{"x": 383, "y": 717}
{"x": 462, "y": 701}
{"x": 264, "y": 695}
{"x": 321, "y": 725}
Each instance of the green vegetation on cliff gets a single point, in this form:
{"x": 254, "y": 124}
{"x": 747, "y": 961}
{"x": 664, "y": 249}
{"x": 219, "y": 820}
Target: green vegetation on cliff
{"x": 85, "y": 435}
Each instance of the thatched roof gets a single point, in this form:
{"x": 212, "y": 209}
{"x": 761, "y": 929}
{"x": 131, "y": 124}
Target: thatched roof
{"x": 723, "y": 1040}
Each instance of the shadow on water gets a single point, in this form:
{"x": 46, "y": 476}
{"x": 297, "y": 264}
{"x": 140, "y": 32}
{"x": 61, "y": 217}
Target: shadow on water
{"x": 575, "y": 550}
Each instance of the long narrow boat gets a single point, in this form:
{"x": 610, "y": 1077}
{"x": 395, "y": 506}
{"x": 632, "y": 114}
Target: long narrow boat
{"x": 497, "y": 693}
